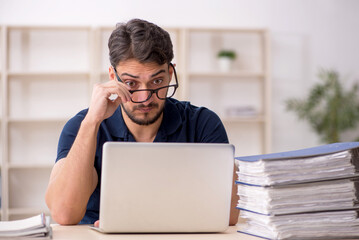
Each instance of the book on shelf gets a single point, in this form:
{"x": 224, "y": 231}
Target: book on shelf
{"x": 309, "y": 193}
{"x": 33, "y": 227}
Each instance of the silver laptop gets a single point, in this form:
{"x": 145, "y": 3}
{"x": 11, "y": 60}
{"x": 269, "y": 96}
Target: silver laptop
{"x": 165, "y": 187}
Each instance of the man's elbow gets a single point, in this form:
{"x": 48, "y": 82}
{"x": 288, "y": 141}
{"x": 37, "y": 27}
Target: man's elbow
{"x": 65, "y": 217}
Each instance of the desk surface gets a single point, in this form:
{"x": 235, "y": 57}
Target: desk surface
{"x": 84, "y": 232}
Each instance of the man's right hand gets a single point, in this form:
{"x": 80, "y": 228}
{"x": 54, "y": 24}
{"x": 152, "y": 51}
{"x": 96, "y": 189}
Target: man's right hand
{"x": 101, "y": 106}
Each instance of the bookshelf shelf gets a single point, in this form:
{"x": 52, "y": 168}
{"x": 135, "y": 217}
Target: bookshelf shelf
{"x": 39, "y": 120}
{"x": 24, "y": 75}
{"x": 238, "y": 75}
{"x": 47, "y": 74}
{"x": 21, "y": 213}
{"x": 244, "y": 119}
{"x": 30, "y": 166}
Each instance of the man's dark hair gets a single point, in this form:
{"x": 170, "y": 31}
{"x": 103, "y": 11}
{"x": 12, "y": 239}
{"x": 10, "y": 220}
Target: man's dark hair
{"x": 140, "y": 40}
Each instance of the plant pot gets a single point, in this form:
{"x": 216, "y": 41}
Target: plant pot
{"x": 225, "y": 64}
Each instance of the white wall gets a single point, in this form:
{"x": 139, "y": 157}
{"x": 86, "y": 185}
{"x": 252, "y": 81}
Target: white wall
{"x": 306, "y": 35}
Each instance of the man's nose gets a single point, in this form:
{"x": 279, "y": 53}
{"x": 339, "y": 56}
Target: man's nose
{"x": 142, "y": 96}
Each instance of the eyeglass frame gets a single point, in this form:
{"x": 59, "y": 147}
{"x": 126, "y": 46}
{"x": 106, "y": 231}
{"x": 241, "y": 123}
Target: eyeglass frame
{"x": 152, "y": 91}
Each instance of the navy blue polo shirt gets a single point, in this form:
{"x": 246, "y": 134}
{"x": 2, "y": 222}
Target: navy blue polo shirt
{"x": 182, "y": 122}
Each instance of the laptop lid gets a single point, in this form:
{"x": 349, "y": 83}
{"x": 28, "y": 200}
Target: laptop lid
{"x": 166, "y": 187}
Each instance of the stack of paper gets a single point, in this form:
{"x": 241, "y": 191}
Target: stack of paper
{"x": 319, "y": 225}
{"x": 33, "y": 227}
{"x": 304, "y": 194}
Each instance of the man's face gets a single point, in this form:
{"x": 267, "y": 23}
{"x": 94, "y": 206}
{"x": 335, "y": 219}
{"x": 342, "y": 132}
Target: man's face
{"x": 144, "y": 76}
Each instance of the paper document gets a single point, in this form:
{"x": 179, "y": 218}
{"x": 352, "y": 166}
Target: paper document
{"x": 309, "y": 193}
{"x": 36, "y": 226}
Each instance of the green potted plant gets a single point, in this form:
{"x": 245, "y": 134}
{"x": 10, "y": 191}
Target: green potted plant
{"x": 225, "y": 59}
{"x": 329, "y": 108}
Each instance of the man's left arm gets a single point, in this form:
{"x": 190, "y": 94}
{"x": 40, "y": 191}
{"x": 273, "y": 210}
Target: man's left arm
{"x": 234, "y": 215}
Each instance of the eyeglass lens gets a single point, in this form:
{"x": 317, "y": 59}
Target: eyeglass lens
{"x": 144, "y": 95}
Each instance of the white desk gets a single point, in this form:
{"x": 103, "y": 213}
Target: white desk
{"x": 84, "y": 232}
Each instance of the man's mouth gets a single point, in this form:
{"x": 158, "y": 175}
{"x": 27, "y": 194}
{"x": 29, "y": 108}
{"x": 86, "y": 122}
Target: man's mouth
{"x": 145, "y": 109}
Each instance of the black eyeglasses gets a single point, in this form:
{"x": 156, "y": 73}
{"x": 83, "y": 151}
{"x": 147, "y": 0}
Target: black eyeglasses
{"x": 142, "y": 95}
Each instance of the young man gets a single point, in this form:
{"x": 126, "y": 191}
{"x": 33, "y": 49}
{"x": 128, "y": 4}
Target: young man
{"x": 134, "y": 105}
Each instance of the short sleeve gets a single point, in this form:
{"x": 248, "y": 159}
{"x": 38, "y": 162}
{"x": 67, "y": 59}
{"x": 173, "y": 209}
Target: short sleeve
{"x": 68, "y": 135}
{"x": 210, "y": 128}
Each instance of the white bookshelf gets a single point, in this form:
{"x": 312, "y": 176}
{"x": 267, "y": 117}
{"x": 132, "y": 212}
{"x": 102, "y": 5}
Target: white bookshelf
{"x": 246, "y": 85}
{"x": 47, "y": 73}
{"x": 47, "y": 77}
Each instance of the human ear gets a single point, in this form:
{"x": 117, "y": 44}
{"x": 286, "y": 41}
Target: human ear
{"x": 111, "y": 73}
{"x": 171, "y": 70}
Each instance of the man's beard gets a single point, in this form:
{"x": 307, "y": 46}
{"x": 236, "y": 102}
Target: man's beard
{"x": 146, "y": 121}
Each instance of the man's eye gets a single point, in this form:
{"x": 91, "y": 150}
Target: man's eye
{"x": 157, "y": 81}
{"x": 131, "y": 84}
